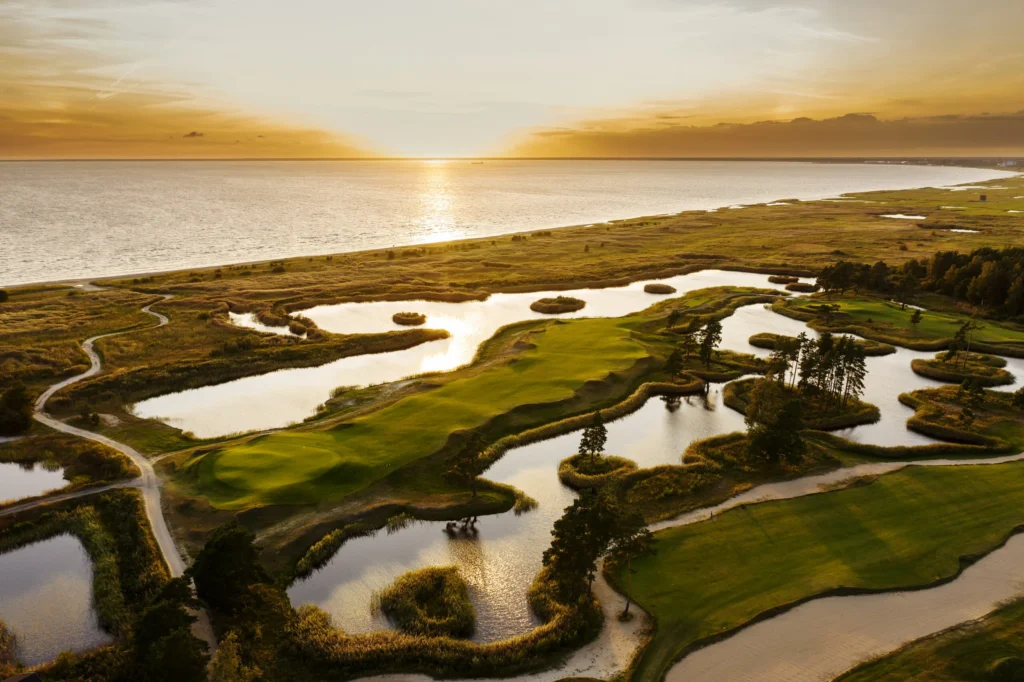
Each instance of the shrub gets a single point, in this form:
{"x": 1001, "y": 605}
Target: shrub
{"x": 15, "y": 411}
{"x": 432, "y": 602}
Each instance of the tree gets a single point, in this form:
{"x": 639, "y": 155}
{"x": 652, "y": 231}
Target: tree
{"x": 909, "y": 284}
{"x": 828, "y": 311}
{"x": 468, "y": 463}
{"x": 225, "y": 568}
{"x": 710, "y": 337}
{"x": 177, "y": 657}
{"x": 15, "y": 410}
{"x": 915, "y": 319}
{"x": 630, "y": 540}
{"x": 674, "y": 363}
{"x": 673, "y": 319}
{"x": 773, "y": 424}
{"x": 579, "y": 539}
{"x": 688, "y": 344}
{"x": 594, "y": 437}
{"x": 163, "y": 647}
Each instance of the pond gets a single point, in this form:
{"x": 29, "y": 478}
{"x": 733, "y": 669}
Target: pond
{"x": 18, "y": 480}
{"x": 46, "y": 599}
{"x": 287, "y": 396}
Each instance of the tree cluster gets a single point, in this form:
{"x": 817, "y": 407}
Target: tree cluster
{"x": 988, "y": 278}
{"x": 828, "y": 371}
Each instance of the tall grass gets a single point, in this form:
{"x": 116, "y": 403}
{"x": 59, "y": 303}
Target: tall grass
{"x": 432, "y": 602}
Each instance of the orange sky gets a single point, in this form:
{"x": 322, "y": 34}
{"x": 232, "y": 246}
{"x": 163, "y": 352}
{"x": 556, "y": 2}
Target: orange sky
{"x": 671, "y": 78}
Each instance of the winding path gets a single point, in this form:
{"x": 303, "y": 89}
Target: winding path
{"x": 148, "y": 483}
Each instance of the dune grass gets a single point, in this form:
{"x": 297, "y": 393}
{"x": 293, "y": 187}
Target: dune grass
{"x": 972, "y": 652}
{"x": 905, "y": 529}
{"x": 306, "y": 467}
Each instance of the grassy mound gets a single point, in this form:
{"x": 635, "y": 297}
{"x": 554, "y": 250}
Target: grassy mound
{"x": 557, "y": 305}
{"x": 783, "y": 279}
{"x": 432, "y": 602}
{"x": 737, "y": 394}
{"x": 409, "y": 319}
{"x": 984, "y": 370}
{"x": 769, "y": 341}
{"x": 583, "y": 471}
{"x": 977, "y": 651}
{"x": 906, "y": 529}
{"x": 802, "y": 287}
{"x": 657, "y": 288}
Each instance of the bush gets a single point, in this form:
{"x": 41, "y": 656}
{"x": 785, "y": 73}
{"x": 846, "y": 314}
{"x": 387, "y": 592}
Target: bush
{"x": 8, "y": 644}
{"x": 659, "y": 289}
{"x": 4, "y": 296}
{"x": 432, "y": 602}
{"x": 559, "y": 304}
{"x": 409, "y": 319}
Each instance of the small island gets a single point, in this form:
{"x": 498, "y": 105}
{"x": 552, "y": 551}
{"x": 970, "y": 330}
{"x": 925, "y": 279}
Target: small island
{"x": 983, "y": 370}
{"x": 583, "y": 471}
{"x": 658, "y": 288}
{"x": 802, "y": 287}
{"x": 771, "y": 341}
{"x": 409, "y": 319}
{"x": 557, "y": 305}
{"x": 783, "y": 279}
{"x": 429, "y": 602}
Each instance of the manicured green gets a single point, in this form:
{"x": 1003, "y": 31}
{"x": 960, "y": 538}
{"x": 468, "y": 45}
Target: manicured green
{"x": 904, "y": 529}
{"x": 967, "y": 653}
{"x": 305, "y": 467}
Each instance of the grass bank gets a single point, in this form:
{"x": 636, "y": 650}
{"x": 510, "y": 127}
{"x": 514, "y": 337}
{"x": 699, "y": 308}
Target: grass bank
{"x": 984, "y": 370}
{"x": 906, "y": 529}
{"x": 984, "y": 650}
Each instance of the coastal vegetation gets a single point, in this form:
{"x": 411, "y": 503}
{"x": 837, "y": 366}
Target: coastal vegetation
{"x": 409, "y": 319}
{"x": 430, "y": 602}
{"x": 818, "y": 545}
{"x": 981, "y": 369}
{"x": 557, "y": 305}
{"x": 85, "y": 463}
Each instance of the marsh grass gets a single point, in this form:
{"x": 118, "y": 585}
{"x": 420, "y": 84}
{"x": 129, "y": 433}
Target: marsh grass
{"x": 430, "y": 602}
{"x": 983, "y": 370}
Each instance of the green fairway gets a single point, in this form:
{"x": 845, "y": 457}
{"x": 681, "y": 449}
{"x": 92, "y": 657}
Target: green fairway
{"x": 887, "y": 318}
{"x": 307, "y": 467}
{"x": 906, "y": 528}
{"x": 967, "y": 653}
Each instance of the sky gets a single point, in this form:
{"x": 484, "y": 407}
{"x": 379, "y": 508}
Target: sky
{"x": 442, "y": 78}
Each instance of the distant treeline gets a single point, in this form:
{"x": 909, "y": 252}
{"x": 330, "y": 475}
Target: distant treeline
{"x": 988, "y": 278}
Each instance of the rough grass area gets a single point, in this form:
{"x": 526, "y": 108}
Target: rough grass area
{"x": 905, "y": 529}
{"x": 431, "y": 602}
{"x": 736, "y": 395}
{"x": 997, "y": 425}
{"x": 585, "y": 471}
{"x": 985, "y": 650}
{"x": 557, "y": 305}
{"x": 984, "y": 370}
{"x": 770, "y": 341}
{"x": 884, "y": 321}
{"x": 85, "y": 463}
{"x": 303, "y": 467}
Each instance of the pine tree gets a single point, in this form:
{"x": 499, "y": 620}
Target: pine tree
{"x": 710, "y": 337}
{"x": 594, "y": 437}
{"x": 630, "y": 540}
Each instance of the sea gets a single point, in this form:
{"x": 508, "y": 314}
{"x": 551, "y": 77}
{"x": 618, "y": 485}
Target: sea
{"x": 70, "y": 220}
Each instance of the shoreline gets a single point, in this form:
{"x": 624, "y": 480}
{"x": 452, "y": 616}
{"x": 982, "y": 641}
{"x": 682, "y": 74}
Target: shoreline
{"x": 86, "y": 283}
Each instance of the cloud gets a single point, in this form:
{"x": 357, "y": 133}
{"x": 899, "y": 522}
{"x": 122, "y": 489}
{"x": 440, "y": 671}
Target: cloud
{"x": 850, "y": 135}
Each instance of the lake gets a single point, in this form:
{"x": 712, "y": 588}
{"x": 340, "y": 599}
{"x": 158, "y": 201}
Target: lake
{"x": 81, "y": 219}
